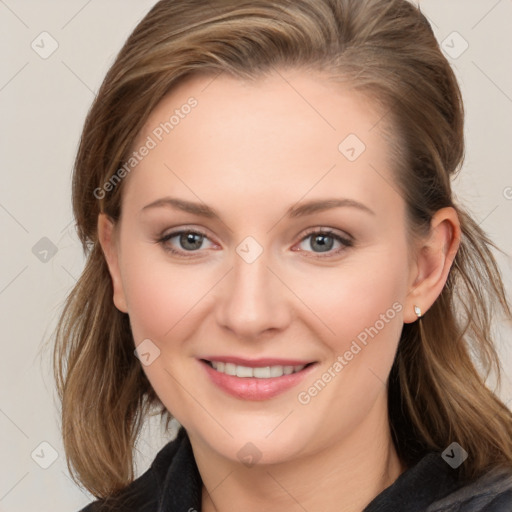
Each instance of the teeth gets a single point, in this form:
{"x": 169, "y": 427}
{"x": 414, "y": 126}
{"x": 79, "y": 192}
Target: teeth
{"x": 264, "y": 372}
{"x": 275, "y": 371}
{"x": 229, "y": 369}
{"x": 244, "y": 371}
{"x": 287, "y": 370}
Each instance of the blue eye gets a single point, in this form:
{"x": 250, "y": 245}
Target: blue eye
{"x": 189, "y": 241}
{"x": 323, "y": 241}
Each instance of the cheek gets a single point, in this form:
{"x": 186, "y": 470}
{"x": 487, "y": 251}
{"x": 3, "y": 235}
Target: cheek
{"x": 363, "y": 311}
{"x": 165, "y": 303}
{"x": 361, "y": 295}
{"x": 162, "y": 298}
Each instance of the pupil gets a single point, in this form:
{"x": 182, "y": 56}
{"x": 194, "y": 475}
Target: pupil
{"x": 323, "y": 246}
{"x": 194, "y": 239}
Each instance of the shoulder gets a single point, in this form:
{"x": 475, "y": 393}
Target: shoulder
{"x": 145, "y": 493}
{"x": 491, "y": 492}
{"x": 432, "y": 485}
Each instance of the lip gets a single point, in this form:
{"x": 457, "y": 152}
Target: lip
{"x": 253, "y": 388}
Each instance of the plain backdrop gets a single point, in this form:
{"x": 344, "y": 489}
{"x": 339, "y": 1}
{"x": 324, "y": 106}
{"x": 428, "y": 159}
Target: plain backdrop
{"x": 55, "y": 54}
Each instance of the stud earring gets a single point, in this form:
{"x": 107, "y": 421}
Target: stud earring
{"x": 417, "y": 310}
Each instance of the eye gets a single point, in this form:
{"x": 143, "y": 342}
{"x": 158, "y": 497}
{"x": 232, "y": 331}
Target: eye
{"x": 323, "y": 241}
{"x": 188, "y": 241}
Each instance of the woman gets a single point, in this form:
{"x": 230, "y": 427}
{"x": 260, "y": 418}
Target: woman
{"x": 275, "y": 259}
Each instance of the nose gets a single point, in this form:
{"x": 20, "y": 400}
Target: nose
{"x": 253, "y": 300}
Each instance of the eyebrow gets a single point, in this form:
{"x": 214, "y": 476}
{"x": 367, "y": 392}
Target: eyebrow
{"x": 306, "y": 208}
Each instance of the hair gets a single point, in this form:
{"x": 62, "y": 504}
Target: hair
{"x": 384, "y": 49}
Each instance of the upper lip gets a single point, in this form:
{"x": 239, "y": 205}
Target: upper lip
{"x": 257, "y": 363}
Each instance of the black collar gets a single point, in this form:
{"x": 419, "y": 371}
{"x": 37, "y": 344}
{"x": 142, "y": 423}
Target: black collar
{"x": 414, "y": 490}
{"x": 173, "y": 484}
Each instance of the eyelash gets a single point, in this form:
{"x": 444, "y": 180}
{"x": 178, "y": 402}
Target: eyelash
{"x": 346, "y": 242}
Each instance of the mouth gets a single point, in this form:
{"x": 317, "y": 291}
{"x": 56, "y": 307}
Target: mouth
{"x": 255, "y": 380}
{"x": 259, "y": 372}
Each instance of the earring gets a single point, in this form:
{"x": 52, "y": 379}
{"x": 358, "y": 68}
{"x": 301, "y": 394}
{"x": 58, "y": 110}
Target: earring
{"x": 417, "y": 310}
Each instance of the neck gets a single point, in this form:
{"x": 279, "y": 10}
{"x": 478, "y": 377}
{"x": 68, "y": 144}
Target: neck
{"x": 344, "y": 477}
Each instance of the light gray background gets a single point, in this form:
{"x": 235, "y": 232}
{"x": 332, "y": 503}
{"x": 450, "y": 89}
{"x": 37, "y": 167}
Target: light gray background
{"x": 43, "y": 104}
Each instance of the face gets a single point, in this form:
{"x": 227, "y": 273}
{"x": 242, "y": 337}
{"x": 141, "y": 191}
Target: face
{"x": 263, "y": 235}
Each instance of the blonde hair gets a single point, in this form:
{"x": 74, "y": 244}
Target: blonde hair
{"x": 383, "y": 48}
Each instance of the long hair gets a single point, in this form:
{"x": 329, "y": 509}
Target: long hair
{"x": 383, "y": 48}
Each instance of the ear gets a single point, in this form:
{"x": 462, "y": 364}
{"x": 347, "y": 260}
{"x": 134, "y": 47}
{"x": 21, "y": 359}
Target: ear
{"x": 433, "y": 260}
{"x": 107, "y": 236}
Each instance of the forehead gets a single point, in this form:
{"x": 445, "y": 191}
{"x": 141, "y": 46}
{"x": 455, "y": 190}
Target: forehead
{"x": 286, "y": 130}
{"x": 292, "y": 98}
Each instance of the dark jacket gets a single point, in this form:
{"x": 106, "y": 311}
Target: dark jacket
{"x": 173, "y": 484}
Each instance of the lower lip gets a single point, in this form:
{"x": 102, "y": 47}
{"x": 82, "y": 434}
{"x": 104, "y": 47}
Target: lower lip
{"x": 252, "y": 388}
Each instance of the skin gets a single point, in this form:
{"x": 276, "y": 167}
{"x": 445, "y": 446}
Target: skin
{"x": 250, "y": 151}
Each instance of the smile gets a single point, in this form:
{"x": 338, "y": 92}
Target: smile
{"x": 260, "y": 372}
{"x": 256, "y": 380}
